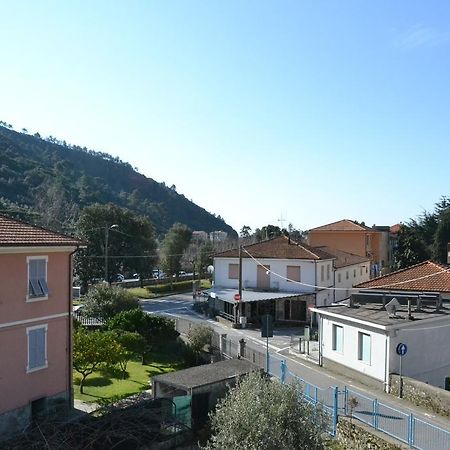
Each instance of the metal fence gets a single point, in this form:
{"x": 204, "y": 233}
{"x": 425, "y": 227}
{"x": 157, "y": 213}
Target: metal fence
{"x": 416, "y": 433}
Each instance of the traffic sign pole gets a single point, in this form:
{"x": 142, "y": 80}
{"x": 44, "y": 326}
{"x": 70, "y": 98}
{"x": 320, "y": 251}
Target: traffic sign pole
{"x": 401, "y": 352}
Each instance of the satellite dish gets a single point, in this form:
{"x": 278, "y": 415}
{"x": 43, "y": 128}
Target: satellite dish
{"x": 210, "y": 269}
{"x": 392, "y": 307}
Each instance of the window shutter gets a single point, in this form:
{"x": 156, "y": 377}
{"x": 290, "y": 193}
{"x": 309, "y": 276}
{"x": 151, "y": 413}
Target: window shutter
{"x": 36, "y": 348}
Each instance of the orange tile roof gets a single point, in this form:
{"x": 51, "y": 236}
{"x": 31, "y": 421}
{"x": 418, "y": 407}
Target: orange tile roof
{"x": 343, "y": 259}
{"x": 16, "y": 233}
{"x": 395, "y": 228}
{"x": 426, "y": 276}
{"x": 342, "y": 225}
{"x": 278, "y": 248}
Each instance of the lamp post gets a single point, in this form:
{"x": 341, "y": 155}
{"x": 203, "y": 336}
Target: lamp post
{"x": 107, "y": 228}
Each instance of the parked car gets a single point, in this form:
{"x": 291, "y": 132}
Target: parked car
{"x": 120, "y": 278}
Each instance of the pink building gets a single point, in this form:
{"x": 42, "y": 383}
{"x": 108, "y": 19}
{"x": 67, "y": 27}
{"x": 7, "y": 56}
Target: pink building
{"x": 35, "y": 322}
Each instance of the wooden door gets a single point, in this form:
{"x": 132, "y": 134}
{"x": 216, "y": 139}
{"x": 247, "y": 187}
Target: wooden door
{"x": 263, "y": 278}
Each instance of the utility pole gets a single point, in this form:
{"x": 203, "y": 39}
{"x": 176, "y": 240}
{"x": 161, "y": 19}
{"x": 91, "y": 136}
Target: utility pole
{"x": 107, "y": 228}
{"x": 240, "y": 280}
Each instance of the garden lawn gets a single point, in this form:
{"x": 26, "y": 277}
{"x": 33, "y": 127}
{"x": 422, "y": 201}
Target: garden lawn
{"x": 110, "y": 384}
{"x": 141, "y": 292}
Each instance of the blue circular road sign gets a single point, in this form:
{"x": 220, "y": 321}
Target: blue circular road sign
{"x": 401, "y": 349}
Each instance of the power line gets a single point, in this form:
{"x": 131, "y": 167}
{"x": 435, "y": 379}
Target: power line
{"x": 337, "y": 288}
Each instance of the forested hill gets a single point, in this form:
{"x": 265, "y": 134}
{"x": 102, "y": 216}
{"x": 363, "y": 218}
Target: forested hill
{"x": 48, "y": 182}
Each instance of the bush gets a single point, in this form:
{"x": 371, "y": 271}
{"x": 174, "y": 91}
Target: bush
{"x": 104, "y": 301}
{"x": 179, "y": 286}
{"x": 199, "y": 336}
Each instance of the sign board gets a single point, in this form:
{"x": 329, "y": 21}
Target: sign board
{"x": 237, "y": 297}
{"x": 266, "y": 326}
{"x": 401, "y": 349}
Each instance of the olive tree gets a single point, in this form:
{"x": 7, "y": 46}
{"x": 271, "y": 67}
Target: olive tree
{"x": 261, "y": 414}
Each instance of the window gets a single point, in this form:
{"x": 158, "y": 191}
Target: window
{"x": 346, "y": 275}
{"x": 328, "y": 271}
{"x": 322, "y": 273}
{"x": 293, "y": 273}
{"x": 364, "y": 343}
{"x": 233, "y": 271}
{"x": 37, "y": 277}
{"x": 339, "y": 277}
{"x": 360, "y": 271}
{"x": 366, "y": 269}
{"x": 354, "y": 273}
{"x": 37, "y": 348}
{"x": 338, "y": 338}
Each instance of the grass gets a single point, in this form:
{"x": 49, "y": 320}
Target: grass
{"x": 141, "y": 293}
{"x": 205, "y": 284}
{"x": 108, "y": 384}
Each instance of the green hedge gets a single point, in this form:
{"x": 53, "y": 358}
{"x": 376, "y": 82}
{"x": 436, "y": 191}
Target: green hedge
{"x": 166, "y": 288}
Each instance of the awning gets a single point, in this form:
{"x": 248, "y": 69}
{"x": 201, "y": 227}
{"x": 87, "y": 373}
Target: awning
{"x": 227, "y": 295}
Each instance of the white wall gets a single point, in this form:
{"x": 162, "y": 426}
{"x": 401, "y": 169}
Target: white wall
{"x": 349, "y": 357}
{"x": 352, "y": 280}
{"x": 428, "y": 355}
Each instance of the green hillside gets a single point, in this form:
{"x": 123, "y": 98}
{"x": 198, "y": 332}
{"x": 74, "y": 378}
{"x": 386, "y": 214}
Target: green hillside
{"x": 49, "y": 182}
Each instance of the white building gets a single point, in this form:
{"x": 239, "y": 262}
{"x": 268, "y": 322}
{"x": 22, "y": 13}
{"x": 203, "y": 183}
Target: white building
{"x": 362, "y": 337}
{"x": 282, "y": 278}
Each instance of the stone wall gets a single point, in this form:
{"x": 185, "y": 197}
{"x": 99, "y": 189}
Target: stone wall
{"x": 357, "y": 436}
{"x": 422, "y": 394}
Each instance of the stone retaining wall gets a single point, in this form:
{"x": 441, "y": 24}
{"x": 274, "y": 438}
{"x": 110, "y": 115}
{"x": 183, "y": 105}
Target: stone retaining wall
{"x": 422, "y": 394}
{"x": 354, "y": 435}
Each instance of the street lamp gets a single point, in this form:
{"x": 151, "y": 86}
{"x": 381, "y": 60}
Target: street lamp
{"x": 107, "y": 228}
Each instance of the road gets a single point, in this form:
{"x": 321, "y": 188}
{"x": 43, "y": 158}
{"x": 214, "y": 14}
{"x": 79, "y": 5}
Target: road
{"x": 180, "y": 306}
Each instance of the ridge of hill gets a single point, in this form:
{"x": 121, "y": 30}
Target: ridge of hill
{"x": 48, "y": 182}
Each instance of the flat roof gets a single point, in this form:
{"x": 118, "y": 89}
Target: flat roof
{"x": 227, "y": 295}
{"x": 375, "y": 313}
{"x": 207, "y": 374}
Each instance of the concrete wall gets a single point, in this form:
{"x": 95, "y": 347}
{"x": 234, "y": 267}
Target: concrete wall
{"x": 349, "y": 356}
{"x": 421, "y": 394}
{"x": 347, "y": 241}
{"x": 279, "y": 266}
{"x": 357, "y": 273}
{"x": 428, "y": 356}
{"x": 357, "y": 436}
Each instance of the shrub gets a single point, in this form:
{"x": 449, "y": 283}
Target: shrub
{"x": 179, "y": 286}
{"x": 104, "y": 301}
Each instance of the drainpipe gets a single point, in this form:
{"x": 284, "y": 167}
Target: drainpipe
{"x": 70, "y": 330}
{"x": 386, "y": 364}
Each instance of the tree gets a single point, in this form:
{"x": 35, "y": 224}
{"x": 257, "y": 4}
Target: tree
{"x": 199, "y": 336}
{"x": 442, "y": 237}
{"x": 132, "y": 342}
{"x": 245, "y": 232}
{"x": 260, "y": 414}
{"x": 175, "y": 242}
{"x": 131, "y": 245}
{"x": 411, "y": 249}
{"x": 154, "y": 329}
{"x": 104, "y": 301}
{"x": 91, "y": 350}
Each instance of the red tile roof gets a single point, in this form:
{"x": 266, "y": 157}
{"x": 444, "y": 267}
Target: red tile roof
{"x": 15, "y": 233}
{"x": 395, "y": 228}
{"x": 426, "y": 276}
{"x": 278, "y": 248}
{"x": 343, "y": 259}
{"x": 342, "y": 225}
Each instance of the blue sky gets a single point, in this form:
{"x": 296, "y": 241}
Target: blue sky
{"x": 316, "y": 110}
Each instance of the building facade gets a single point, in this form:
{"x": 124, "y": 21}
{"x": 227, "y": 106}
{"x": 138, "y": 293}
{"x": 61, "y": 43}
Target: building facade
{"x": 35, "y": 322}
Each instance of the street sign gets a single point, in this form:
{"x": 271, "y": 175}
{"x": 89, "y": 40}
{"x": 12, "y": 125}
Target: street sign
{"x": 267, "y": 326}
{"x": 237, "y": 297}
{"x": 401, "y": 349}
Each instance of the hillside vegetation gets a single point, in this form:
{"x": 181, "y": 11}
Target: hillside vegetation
{"x": 48, "y": 182}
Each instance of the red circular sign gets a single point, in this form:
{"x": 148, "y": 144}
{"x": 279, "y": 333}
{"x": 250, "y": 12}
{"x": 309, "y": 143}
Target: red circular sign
{"x": 237, "y": 297}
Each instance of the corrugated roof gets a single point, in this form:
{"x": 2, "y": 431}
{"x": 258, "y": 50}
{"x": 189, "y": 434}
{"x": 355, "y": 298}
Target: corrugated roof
{"x": 278, "y": 248}
{"x": 426, "y": 276}
{"x": 343, "y": 259}
{"x": 342, "y": 225}
{"x": 16, "y": 233}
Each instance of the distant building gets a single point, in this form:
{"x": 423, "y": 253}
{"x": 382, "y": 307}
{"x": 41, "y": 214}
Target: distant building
{"x": 218, "y": 236}
{"x": 35, "y": 322}
{"x": 357, "y": 239}
{"x": 283, "y": 278}
{"x": 200, "y": 235}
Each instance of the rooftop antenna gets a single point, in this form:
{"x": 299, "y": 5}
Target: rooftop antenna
{"x": 392, "y": 307}
{"x": 282, "y": 220}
